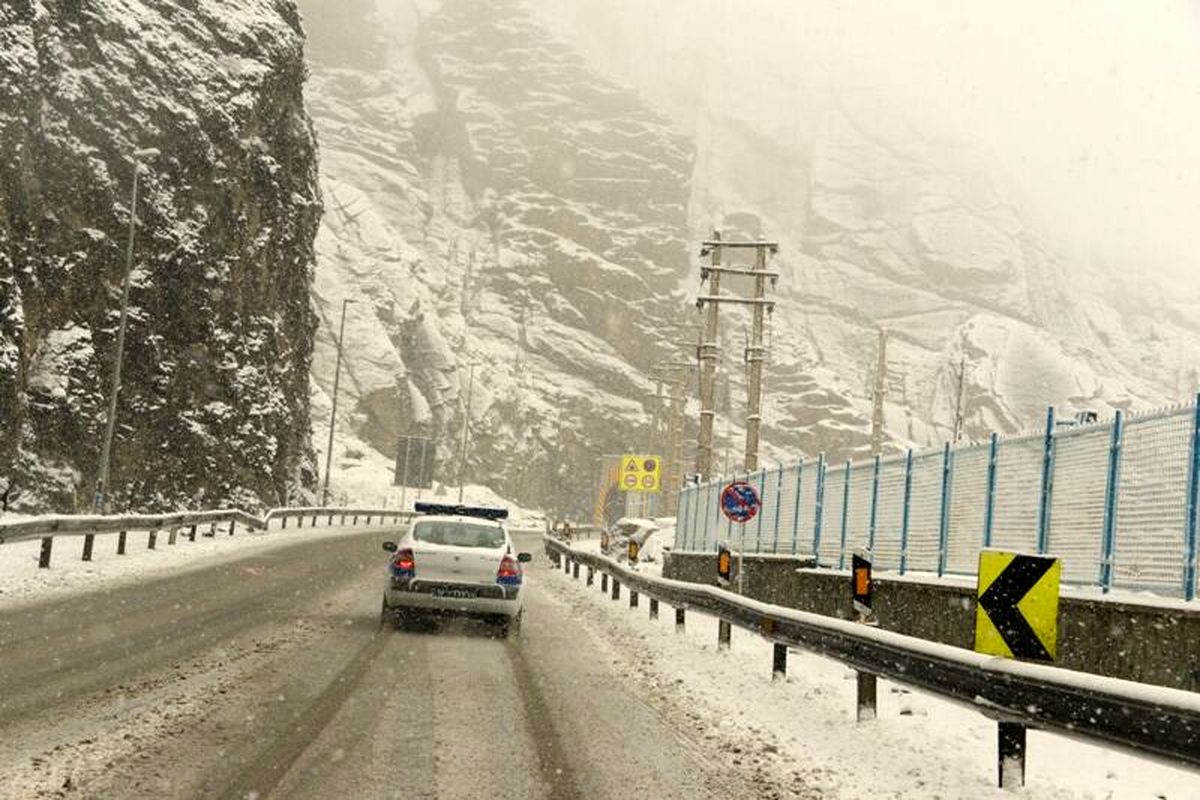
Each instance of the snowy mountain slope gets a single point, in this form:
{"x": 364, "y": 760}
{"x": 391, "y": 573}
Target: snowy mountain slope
{"x": 214, "y": 406}
{"x": 490, "y": 200}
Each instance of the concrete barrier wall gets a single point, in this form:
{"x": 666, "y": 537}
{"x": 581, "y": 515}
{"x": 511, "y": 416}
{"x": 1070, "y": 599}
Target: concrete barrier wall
{"x": 1145, "y": 642}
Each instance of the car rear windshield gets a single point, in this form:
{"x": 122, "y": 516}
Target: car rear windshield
{"x": 458, "y": 534}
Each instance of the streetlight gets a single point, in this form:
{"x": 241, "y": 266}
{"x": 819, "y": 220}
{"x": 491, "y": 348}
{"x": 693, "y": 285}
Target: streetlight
{"x": 466, "y": 427}
{"x": 99, "y": 502}
{"x": 337, "y": 374}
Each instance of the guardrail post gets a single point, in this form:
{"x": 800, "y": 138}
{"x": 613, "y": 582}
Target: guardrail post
{"x": 865, "y": 702}
{"x": 653, "y": 608}
{"x": 989, "y": 502}
{"x": 89, "y": 541}
{"x": 192, "y": 534}
{"x": 44, "y": 555}
{"x": 354, "y": 521}
{"x": 299, "y": 520}
{"x": 591, "y": 575}
{"x": 314, "y": 522}
{"x": 604, "y": 582}
{"x": 633, "y": 599}
{"x": 944, "y": 519}
{"x": 1190, "y": 538}
{"x": 724, "y": 634}
{"x": 152, "y": 539}
{"x": 904, "y": 514}
{"x": 779, "y": 662}
{"x": 818, "y": 517}
{"x": 368, "y": 519}
{"x": 845, "y": 511}
{"x": 796, "y": 506}
{"x": 121, "y": 543}
{"x": 575, "y": 570}
{"x": 343, "y": 520}
{"x": 679, "y": 619}
{"x": 171, "y": 536}
{"x": 1043, "y": 532}
{"x": 1010, "y": 754}
{"x": 616, "y": 588}
{"x": 283, "y": 519}
{"x": 567, "y": 564}
{"x": 1109, "y": 541}
{"x": 874, "y": 506}
{"x": 778, "y": 506}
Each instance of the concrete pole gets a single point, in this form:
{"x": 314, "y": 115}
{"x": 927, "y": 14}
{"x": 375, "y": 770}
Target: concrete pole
{"x": 466, "y": 428}
{"x": 337, "y": 374}
{"x": 99, "y": 502}
{"x": 755, "y": 354}
{"x": 708, "y": 370}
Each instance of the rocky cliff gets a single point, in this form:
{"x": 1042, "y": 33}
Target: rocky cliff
{"x": 490, "y": 200}
{"x": 214, "y": 407}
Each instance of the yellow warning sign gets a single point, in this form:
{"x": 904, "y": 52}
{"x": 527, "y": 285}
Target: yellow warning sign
{"x": 1016, "y": 605}
{"x": 640, "y": 473}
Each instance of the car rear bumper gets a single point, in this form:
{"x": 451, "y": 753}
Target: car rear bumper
{"x": 490, "y": 599}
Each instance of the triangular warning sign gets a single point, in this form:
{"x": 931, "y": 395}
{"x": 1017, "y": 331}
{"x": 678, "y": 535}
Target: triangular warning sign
{"x": 632, "y": 466}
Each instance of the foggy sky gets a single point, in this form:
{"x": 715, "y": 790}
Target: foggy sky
{"x": 1090, "y": 109}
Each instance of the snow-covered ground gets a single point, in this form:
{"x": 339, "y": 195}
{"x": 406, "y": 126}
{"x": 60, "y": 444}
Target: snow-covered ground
{"x": 21, "y": 580}
{"x": 920, "y": 746}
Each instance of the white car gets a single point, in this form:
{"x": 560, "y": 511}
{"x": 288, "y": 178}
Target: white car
{"x": 455, "y": 560}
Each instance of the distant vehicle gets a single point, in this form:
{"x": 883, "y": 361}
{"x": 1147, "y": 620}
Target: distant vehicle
{"x": 455, "y": 560}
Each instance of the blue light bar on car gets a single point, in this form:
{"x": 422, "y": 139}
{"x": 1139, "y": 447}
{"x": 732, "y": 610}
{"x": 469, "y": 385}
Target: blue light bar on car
{"x": 461, "y": 511}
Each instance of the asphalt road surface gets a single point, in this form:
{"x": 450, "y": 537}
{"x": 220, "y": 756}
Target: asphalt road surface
{"x": 270, "y": 677}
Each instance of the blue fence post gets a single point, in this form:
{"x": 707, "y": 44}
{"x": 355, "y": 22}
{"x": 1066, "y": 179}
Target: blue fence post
{"x": 944, "y": 519}
{"x": 762, "y": 508}
{"x": 820, "y": 508}
{"x": 796, "y": 508}
{"x": 874, "y": 506}
{"x": 845, "y": 512}
{"x": 989, "y": 501}
{"x": 1189, "y": 541}
{"x": 1109, "y": 542}
{"x": 908, "y": 461}
{"x": 1043, "y": 532}
{"x": 778, "y": 506}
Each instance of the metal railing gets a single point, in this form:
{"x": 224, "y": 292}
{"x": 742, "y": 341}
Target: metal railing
{"x": 1116, "y": 500}
{"x": 1146, "y": 719}
{"x": 47, "y": 528}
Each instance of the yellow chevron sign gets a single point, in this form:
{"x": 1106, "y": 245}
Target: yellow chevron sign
{"x": 1016, "y": 605}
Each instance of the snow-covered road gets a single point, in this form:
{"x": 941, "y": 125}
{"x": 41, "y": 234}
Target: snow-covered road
{"x": 267, "y": 675}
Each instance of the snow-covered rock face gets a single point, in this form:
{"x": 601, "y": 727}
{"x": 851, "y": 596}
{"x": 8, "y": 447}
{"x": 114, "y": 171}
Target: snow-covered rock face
{"x": 490, "y": 200}
{"x": 214, "y": 403}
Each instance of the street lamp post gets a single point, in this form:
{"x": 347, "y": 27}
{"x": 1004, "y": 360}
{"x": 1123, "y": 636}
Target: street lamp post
{"x": 466, "y": 427}
{"x": 337, "y": 374}
{"x": 100, "y": 500}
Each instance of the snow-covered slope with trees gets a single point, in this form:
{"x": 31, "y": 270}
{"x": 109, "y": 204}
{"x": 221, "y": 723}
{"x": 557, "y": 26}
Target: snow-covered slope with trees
{"x": 214, "y": 406}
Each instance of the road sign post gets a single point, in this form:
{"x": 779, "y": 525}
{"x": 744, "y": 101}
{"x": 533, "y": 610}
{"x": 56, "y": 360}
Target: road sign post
{"x": 860, "y": 593}
{"x": 740, "y": 503}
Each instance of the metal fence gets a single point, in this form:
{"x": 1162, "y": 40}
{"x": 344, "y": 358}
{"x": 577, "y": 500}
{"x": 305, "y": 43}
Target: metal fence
{"x": 1116, "y": 501}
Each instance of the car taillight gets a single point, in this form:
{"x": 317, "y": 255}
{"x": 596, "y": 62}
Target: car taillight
{"x": 404, "y": 565}
{"x": 509, "y": 573}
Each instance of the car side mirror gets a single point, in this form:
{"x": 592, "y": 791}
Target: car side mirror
{"x": 389, "y": 547}
{"x": 524, "y": 558}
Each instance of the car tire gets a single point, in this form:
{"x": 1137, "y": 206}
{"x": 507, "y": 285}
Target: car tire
{"x": 386, "y": 614}
{"x": 511, "y": 627}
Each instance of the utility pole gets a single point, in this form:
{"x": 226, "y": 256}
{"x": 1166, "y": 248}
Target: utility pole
{"x": 466, "y": 427}
{"x": 755, "y": 352}
{"x": 99, "y": 502}
{"x": 337, "y": 374}
{"x": 878, "y": 392}
{"x": 958, "y": 400}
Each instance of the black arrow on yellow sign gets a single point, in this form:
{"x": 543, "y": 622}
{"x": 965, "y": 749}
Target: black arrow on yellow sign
{"x": 1001, "y": 599}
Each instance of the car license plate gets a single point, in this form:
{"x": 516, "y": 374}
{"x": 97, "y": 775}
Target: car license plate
{"x": 453, "y": 593}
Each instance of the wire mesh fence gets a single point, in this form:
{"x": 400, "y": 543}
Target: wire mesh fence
{"x": 1116, "y": 501}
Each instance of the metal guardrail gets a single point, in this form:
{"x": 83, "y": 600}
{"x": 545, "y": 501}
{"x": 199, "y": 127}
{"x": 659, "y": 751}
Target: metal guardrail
{"x": 89, "y": 526}
{"x": 1149, "y": 720}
